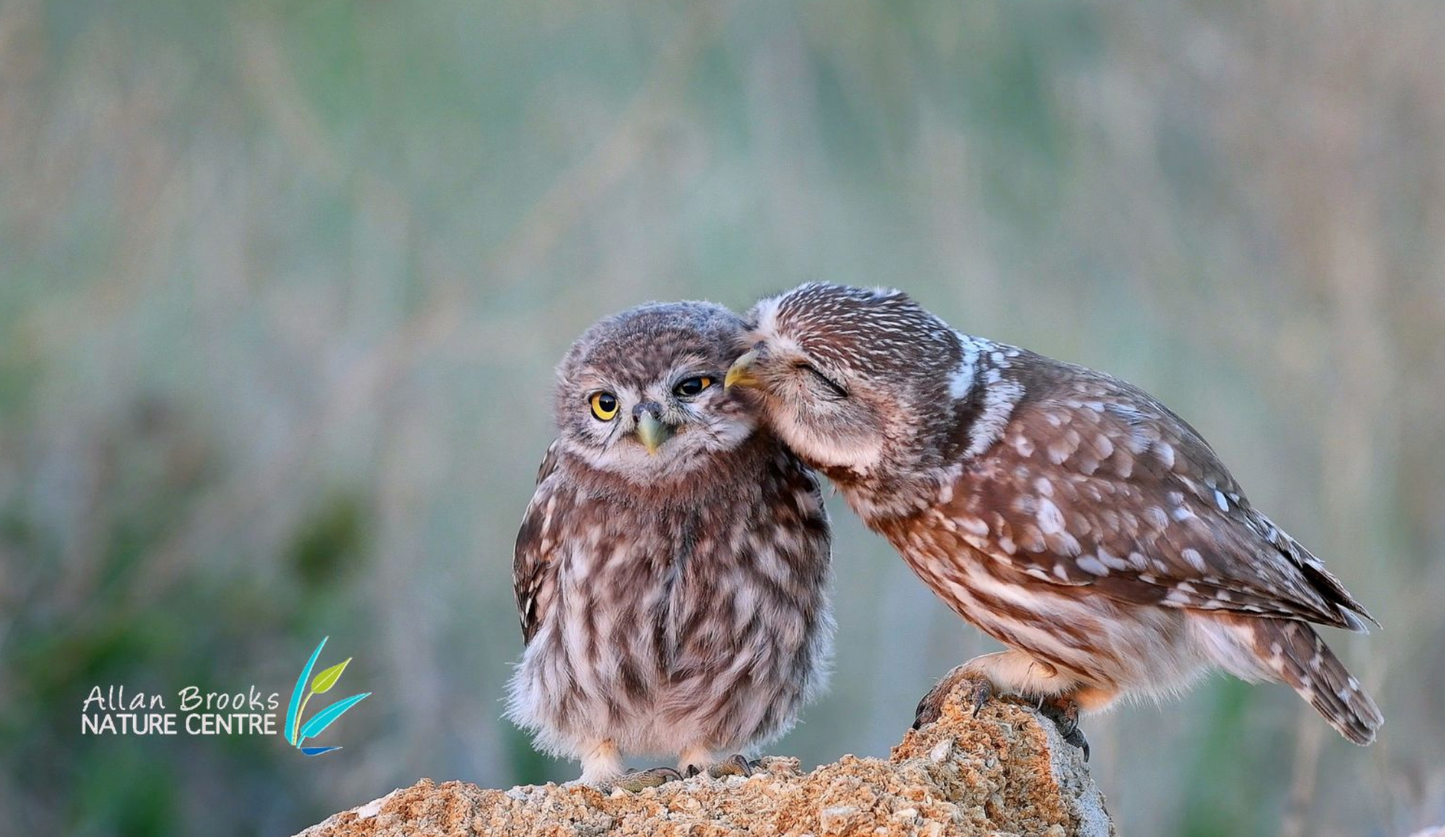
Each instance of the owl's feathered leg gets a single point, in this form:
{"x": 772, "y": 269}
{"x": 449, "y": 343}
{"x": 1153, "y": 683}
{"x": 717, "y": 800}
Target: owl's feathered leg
{"x": 601, "y": 762}
{"x": 694, "y": 760}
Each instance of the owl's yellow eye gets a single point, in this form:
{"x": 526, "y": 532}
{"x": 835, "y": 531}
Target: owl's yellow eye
{"x": 693, "y": 386}
{"x": 604, "y": 406}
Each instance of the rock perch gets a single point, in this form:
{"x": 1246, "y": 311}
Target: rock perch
{"x": 1005, "y": 772}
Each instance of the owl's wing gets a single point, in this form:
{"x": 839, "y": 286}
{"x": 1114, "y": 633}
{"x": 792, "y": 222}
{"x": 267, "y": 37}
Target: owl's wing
{"x": 1093, "y": 483}
{"x": 533, "y": 565}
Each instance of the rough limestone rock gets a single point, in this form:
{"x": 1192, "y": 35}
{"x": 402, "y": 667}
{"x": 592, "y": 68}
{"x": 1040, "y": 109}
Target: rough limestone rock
{"x": 1005, "y": 772}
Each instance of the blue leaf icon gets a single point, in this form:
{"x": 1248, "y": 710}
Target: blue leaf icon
{"x": 323, "y": 719}
{"x": 296, "y": 693}
{"x": 316, "y": 751}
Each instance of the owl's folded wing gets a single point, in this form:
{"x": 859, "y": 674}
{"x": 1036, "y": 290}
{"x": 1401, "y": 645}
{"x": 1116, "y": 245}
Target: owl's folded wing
{"x": 1097, "y": 484}
{"x": 533, "y": 567}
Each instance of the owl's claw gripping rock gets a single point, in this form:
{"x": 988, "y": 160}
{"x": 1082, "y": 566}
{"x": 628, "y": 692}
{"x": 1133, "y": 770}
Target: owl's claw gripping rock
{"x": 1065, "y": 715}
{"x": 734, "y": 765}
{"x": 1077, "y": 739}
{"x": 979, "y": 691}
{"x": 982, "y": 692}
{"x": 636, "y": 780}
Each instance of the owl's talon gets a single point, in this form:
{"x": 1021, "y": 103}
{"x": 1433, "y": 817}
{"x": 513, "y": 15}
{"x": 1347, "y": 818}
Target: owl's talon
{"x": 1062, "y": 711}
{"x": 734, "y": 765}
{"x": 979, "y": 691}
{"x": 925, "y": 714}
{"x": 980, "y": 694}
{"x": 635, "y": 781}
{"x": 1065, "y": 715}
{"x": 691, "y": 771}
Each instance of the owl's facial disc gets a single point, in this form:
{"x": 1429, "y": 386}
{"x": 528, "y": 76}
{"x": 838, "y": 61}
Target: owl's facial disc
{"x": 848, "y": 377}
{"x": 827, "y": 417}
{"x": 640, "y": 396}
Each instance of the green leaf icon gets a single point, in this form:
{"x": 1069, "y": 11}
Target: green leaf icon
{"x": 326, "y": 679}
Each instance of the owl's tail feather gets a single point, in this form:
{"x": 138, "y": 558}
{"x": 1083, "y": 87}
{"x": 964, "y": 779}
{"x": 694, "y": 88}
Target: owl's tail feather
{"x": 1298, "y": 656}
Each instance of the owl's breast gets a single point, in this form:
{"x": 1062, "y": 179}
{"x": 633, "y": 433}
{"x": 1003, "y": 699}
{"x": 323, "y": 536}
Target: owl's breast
{"x": 637, "y": 588}
{"x": 706, "y": 620}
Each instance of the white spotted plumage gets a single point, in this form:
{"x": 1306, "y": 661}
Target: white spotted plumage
{"x": 1064, "y": 512}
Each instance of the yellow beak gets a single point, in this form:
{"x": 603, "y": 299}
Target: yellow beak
{"x": 740, "y": 374}
{"x": 652, "y": 433}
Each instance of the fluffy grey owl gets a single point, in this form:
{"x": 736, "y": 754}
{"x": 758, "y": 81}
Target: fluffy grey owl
{"x": 672, "y": 569}
{"x": 1066, "y": 513}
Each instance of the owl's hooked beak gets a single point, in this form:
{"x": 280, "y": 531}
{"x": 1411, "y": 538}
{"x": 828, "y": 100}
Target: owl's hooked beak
{"x": 740, "y": 374}
{"x": 652, "y": 432}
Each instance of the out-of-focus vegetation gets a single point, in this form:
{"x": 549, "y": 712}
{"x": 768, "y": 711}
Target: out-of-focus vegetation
{"x": 282, "y": 283}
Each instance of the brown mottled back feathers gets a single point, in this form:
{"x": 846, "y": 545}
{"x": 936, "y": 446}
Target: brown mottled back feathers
{"x": 1095, "y": 483}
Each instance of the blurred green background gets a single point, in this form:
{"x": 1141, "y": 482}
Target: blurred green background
{"x": 282, "y": 284}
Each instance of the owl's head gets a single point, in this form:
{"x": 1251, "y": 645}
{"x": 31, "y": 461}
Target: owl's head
{"x": 641, "y": 393}
{"x": 847, "y": 376}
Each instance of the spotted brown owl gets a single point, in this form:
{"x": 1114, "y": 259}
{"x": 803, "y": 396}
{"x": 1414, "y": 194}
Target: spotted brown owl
{"x": 1067, "y": 514}
{"x": 672, "y": 570}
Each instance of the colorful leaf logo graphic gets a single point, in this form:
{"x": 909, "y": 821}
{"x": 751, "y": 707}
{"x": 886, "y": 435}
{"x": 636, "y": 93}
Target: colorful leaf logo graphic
{"x": 324, "y": 718}
{"x": 296, "y": 733}
{"x": 294, "y": 709}
{"x": 326, "y": 679}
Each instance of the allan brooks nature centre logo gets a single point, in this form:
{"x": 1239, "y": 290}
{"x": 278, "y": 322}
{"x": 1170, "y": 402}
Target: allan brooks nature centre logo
{"x": 110, "y": 712}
